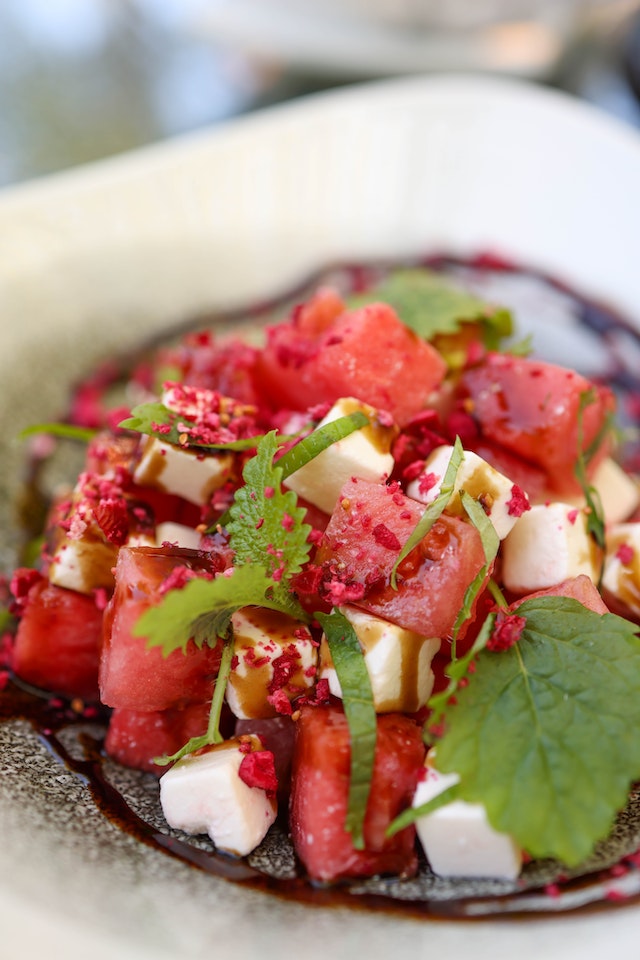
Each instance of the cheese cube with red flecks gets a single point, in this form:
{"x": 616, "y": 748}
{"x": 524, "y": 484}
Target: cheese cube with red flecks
{"x": 275, "y": 660}
{"x": 502, "y": 500}
{"x": 206, "y": 793}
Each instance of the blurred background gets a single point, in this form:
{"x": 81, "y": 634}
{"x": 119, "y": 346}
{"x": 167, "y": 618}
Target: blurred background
{"x": 85, "y": 79}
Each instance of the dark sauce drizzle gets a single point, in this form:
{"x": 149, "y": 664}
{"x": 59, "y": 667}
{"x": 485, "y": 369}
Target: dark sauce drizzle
{"x": 49, "y": 717}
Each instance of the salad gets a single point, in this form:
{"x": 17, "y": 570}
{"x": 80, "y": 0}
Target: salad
{"x": 375, "y": 578}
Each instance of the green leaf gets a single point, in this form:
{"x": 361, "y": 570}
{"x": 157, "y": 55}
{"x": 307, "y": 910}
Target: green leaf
{"x": 411, "y": 814}
{"x": 267, "y": 525}
{"x": 321, "y": 438}
{"x": 147, "y": 417}
{"x": 431, "y": 304}
{"x": 66, "y": 431}
{"x": 357, "y": 699}
{"x": 490, "y": 544}
{"x": 433, "y": 511}
{"x": 213, "y": 734}
{"x": 201, "y": 610}
{"x": 595, "y": 512}
{"x": 545, "y": 734}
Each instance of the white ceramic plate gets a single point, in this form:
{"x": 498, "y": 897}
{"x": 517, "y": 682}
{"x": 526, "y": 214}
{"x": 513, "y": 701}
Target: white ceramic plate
{"x": 95, "y": 260}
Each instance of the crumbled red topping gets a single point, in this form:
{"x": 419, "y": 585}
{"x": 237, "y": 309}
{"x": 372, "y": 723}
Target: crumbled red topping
{"x": 519, "y": 502}
{"x": 280, "y": 703}
{"x": 625, "y": 554}
{"x": 572, "y": 516}
{"x": 23, "y": 579}
{"x": 385, "y": 537}
{"x": 427, "y": 482}
{"x": 257, "y": 769}
{"x": 506, "y": 632}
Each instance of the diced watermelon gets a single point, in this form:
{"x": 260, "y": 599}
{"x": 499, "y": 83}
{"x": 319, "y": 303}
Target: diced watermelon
{"x": 320, "y": 789}
{"x": 133, "y": 675}
{"x": 580, "y": 588}
{"x": 531, "y": 408}
{"x": 366, "y": 353}
{"x": 136, "y": 737}
{"x": 360, "y": 546}
{"x": 57, "y": 645}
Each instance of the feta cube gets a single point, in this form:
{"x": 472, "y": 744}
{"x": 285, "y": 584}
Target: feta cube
{"x": 275, "y": 660}
{"x": 458, "y": 839}
{"x": 177, "y": 533}
{"x": 203, "y": 793}
{"x": 618, "y": 491}
{"x": 398, "y": 662}
{"x": 492, "y": 489}
{"x": 365, "y": 453}
{"x": 621, "y": 575}
{"x": 548, "y": 544}
{"x": 83, "y": 565}
{"x": 189, "y": 474}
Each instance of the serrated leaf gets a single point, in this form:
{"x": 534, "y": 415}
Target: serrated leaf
{"x": 545, "y": 735}
{"x": 431, "y": 304}
{"x": 147, "y": 417}
{"x": 357, "y": 699}
{"x": 267, "y": 526}
{"x": 201, "y": 610}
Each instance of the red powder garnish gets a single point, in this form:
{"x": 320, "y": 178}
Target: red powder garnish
{"x": 506, "y": 632}
{"x": 280, "y": 703}
{"x": 23, "y": 579}
{"x": 625, "y": 553}
{"x": 385, "y": 537}
{"x": 427, "y": 482}
{"x": 257, "y": 769}
{"x": 519, "y": 502}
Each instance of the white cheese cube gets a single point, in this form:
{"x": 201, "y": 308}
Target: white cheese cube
{"x": 365, "y": 453}
{"x": 621, "y": 575}
{"x": 458, "y": 839}
{"x": 548, "y": 544}
{"x": 83, "y": 565}
{"x": 484, "y": 483}
{"x": 187, "y": 473}
{"x": 177, "y": 533}
{"x": 275, "y": 660}
{"x": 203, "y": 793}
{"x": 85, "y": 562}
{"x": 618, "y": 491}
{"x": 398, "y": 662}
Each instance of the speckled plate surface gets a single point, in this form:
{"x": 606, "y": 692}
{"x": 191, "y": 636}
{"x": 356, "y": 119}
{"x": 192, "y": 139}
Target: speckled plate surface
{"x": 93, "y": 262}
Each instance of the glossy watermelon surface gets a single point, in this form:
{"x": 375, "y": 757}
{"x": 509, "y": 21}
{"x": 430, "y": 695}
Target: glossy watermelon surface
{"x": 320, "y": 786}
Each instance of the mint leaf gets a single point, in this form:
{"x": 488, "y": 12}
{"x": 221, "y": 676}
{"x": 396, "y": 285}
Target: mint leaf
{"x": 490, "y": 544}
{"x": 545, "y": 734}
{"x": 201, "y": 610}
{"x": 357, "y": 700}
{"x": 431, "y": 304}
{"x": 148, "y": 417}
{"x": 267, "y": 525}
{"x": 433, "y": 511}
{"x": 322, "y": 437}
